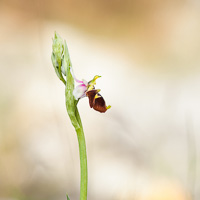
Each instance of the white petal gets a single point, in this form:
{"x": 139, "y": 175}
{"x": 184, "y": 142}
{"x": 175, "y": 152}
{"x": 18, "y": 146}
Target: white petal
{"x": 79, "y": 91}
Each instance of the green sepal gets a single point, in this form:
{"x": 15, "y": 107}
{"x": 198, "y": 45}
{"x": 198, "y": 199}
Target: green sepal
{"x": 67, "y": 197}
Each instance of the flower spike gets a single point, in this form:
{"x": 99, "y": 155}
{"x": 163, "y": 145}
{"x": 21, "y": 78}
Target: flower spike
{"x": 63, "y": 67}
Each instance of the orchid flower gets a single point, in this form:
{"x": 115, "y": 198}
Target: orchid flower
{"x": 96, "y": 101}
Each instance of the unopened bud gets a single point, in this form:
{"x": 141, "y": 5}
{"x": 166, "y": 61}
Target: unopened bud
{"x": 58, "y": 49}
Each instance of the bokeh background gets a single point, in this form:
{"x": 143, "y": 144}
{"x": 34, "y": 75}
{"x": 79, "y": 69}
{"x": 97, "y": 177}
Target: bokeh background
{"x": 146, "y": 147}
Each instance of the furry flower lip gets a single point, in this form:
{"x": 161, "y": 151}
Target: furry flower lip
{"x": 96, "y": 101}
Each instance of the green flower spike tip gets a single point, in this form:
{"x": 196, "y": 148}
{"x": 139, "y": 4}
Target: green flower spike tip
{"x": 57, "y": 55}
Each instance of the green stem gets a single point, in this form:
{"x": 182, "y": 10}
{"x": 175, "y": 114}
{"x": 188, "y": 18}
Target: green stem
{"x": 83, "y": 164}
{"x": 83, "y": 158}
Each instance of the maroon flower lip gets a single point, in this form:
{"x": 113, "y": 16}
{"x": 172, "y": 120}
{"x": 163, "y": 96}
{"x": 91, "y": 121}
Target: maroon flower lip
{"x": 96, "y": 101}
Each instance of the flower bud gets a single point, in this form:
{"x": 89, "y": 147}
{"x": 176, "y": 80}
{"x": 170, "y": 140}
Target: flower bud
{"x": 58, "y": 49}
{"x": 57, "y": 55}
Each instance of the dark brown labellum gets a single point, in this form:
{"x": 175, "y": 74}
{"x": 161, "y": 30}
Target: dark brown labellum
{"x": 91, "y": 94}
{"x": 96, "y": 101}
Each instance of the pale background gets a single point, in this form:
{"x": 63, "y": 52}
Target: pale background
{"x": 146, "y": 147}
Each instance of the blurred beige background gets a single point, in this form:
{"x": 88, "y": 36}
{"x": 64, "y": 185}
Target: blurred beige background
{"x": 146, "y": 147}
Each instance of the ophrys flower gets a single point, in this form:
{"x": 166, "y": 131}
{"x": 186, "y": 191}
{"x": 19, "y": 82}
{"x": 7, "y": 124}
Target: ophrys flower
{"x": 96, "y": 101}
